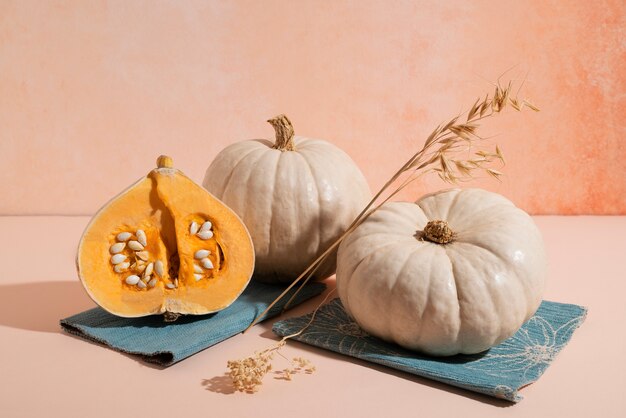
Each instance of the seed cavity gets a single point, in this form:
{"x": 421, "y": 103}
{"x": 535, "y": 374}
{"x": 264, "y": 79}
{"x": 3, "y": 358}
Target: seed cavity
{"x": 118, "y": 258}
{"x": 121, "y": 267}
{"x": 123, "y": 236}
{"x": 141, "y": 237}
{"x": 206, "y": 263}
{"x": 135, "y": 245}
{"x": 132, "y": 280}
{"x": 118, "y": 247}
{"x": 193, "y": 228}
{"x": 158, "y": 268}
{"x": 200, "y": 254}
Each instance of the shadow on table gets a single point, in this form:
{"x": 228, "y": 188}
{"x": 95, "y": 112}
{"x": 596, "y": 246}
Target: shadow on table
{"x": 397, "y": 373}
{"x": 219, "y": 384}
{"x": 39, "y": 306}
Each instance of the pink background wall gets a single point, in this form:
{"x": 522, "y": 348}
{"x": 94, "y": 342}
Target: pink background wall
{"x": 91, "y": 92}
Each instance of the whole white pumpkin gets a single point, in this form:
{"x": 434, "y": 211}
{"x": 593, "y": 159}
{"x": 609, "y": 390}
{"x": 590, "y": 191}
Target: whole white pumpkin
{"x": 458, "y": 286}
{"x": 296, "y": 196}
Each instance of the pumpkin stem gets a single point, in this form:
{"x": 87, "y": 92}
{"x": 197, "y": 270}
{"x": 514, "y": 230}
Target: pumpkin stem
{"x": 284, "y": 133}
{"x": 438, "y": 232}
{"x": 170, "y": 316}
{"x": 165, "y": 162}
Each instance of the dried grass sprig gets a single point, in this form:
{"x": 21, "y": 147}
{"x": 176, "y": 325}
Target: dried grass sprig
{"x": 247, "y": 374}
{"x": 454, "y": 151}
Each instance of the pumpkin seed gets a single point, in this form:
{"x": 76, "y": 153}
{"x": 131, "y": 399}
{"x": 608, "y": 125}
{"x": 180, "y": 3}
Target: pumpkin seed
{"x": 193, "y": 228}
{"x": 118, "y": 258}
{"x": 158, "y": 268}
{"x": 118, "y": 247}
{"x": 198, "y": 276}
{"x": 141, "y": 237}
{"x": 132, "y": 280}
{"x": 200, "y": 254}
{"x": 124, "y": 236}
{"x": 206, "y": 226}
{"x": 206, "y": 263}
{"x": 135, "y": 245}
{"x": 197, "y": 269}
{"x": 142, "y": 255}
{"x": 121, "y": 267}
{"x": 149, "y": 269}
{"x": 204, "y": 235}
{"x": 140, "y": 267}
{"x": 141, "y": 284}
{"x": 170, "y": 285}
{"x": 152, "y": 282}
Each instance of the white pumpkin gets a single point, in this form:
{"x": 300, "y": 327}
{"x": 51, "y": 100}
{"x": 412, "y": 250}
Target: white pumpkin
{"x": 296, "y": 196}
{"x": 443, "y": 288}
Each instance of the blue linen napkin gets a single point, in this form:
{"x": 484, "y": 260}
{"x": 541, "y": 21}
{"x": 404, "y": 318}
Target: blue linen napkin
{"x": 500, "y": 372}
{"x": 165, "y": 343}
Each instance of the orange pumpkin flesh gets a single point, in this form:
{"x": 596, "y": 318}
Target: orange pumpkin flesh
{"x": 163, "y": 205}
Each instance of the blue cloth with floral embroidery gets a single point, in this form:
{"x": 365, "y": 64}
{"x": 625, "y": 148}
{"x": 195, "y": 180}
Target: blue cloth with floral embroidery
{"x": 165, "y": 343}
{"x": 499, "y": 372}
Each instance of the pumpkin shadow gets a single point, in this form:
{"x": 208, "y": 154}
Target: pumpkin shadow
{"x": 38, "y": 306}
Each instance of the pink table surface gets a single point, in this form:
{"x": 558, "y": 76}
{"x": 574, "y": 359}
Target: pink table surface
{"x": 44, "y": 372}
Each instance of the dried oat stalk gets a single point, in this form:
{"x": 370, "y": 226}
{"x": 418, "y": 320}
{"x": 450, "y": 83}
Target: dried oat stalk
{"x": 247, "y": 374}
{"x": 454, "y": 151}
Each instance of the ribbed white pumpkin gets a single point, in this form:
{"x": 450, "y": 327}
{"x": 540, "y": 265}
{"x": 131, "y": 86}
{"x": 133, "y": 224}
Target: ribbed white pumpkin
{"x": 296, "y": 196}
{"x": 462, "y": 296}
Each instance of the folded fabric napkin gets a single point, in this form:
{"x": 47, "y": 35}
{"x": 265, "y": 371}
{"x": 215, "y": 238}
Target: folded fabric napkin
{"x": 167, "y": 343}
{"x": 499, "y": 372}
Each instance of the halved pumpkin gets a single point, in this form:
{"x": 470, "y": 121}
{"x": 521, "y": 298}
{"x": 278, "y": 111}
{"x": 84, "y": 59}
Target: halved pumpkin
{"x": 165, "y": 245}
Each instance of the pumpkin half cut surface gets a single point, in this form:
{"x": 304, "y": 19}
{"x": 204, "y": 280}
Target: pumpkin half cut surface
{"x": 165, "y": 246}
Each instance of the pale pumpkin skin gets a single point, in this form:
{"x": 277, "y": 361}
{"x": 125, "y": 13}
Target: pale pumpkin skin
{"x": 464, "y": 296}
{"x": 295, "y": 203}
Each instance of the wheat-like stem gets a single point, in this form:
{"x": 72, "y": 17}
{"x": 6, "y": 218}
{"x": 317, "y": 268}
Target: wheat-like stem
{"x": 247, "y": 374}
{"x": 436, "y": 155}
